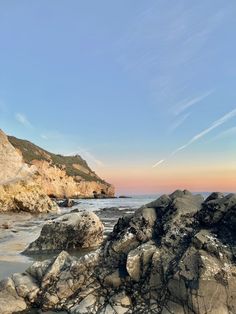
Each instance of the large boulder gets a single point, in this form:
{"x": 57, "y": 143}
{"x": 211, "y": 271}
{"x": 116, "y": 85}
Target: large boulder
{"x": 175, "y": 255}
{"x": 70, "y": 231}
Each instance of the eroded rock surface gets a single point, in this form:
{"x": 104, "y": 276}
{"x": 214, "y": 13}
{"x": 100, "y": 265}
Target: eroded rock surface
{"x": 18, "y": 189}
{"x": 30, "y": 175}
{"x": 175, "y": 255}
{"x": 70, "y": 231}
{"x": 61, "y": 176}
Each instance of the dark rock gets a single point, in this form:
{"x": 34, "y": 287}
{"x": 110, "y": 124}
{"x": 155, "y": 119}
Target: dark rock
{"x": 176, "y": 255}
{"x": 123, "y": 196}
{"x": 109, "y": 209}
{"x": 214, "y": 196}
{"x": 67, "y": 203}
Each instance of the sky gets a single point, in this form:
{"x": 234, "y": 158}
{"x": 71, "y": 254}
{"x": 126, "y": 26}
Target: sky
{"x": 145, "y": 91}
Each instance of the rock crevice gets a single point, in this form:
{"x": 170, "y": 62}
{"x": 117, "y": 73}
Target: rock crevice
{"x": 174, "y": 255}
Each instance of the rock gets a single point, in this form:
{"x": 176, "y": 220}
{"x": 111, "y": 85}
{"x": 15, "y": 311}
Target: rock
{"x": 57, "y": 182}
{"x": 216, "y": 206}
{"x": 138, "y": 260}
{"x": 87, "y": 305}
{"x": 69, "y": 231}
{"x": 214, "y": 196}
{"x": 134, "y": 231}
{"x": 26, "y": 197}
{"x": 121, "y": 303}
{"x": 113, "y": 279}
{"x": 13, "y": 168}
{"x": 26, "y": 286}
{"x": 161, "y": 202}
{"x": 22, "y": 162}
{"x": 67, "y": 203}
{"x": 10, "y": 301}
{"x": 18, "y": 189}
{"x": 110, "y": 209}
{"x": 124, "y": 196}
{"x": 177, "y": 255}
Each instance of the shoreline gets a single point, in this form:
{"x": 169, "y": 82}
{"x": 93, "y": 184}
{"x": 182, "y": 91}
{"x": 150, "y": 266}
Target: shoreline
{"x": 23, "y": 228}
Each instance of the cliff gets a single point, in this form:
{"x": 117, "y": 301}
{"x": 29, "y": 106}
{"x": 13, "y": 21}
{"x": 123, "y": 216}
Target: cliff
{"x": 29, "y": 175}
{"x": 61, "y": 176}
{"x": 19, "y": 190}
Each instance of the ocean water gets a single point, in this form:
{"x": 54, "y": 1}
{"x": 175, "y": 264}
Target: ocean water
{"x": 132, "y": 203}
{"x": 26, "y": 228}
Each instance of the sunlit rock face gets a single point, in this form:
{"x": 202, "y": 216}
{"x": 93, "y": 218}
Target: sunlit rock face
{"x": 57, "y": 175}
{"x": 28, "y": 177}
{"x": 55, "y": 181}
{"x": 12, "y": 166}
{"x": 18, "y": 188}
{"x": 174, "y": 255}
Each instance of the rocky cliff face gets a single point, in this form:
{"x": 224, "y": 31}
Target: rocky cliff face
{"x": 18, "y": 189}
{"x": 61, "y": 176}
{"x": 57, "y": 183}
{"x": 175, "y": 255}
{"x": 56, "y": 175}
{"x": 12, "y": 167}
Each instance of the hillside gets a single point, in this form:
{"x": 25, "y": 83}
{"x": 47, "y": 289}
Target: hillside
{"x": 74, "y": 166}
{"x": 54, "y": 175}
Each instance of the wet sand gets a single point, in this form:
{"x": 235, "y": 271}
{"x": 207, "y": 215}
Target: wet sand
{"x": 18, "y": 230}
{"x": 25, "y": 228}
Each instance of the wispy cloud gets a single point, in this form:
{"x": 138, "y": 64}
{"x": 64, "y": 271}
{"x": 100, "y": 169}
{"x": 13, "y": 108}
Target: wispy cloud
{"x": 22, "y": 119}
{"x": 176, "y": 29}
{"x": 179, "y": 122}
{"x": 186, "y": 104}
{"x": 227, "y": 133}
{"x": 200, "y": 135}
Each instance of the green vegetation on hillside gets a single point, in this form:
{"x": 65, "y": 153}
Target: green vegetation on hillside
{"x": 32, "y": 152}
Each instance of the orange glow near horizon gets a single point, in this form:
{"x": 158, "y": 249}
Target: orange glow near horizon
{"x": 151, "y": 181}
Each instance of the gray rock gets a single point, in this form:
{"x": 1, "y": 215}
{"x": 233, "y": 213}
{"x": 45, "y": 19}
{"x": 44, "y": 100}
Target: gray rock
{"x": 67, "y": 203}
{"x": 176, "y": 256}
{"x": 138, "y": 260}
{"x": 70, "y": 231}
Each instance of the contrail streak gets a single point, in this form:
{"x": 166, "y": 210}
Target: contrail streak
{"x": 185, "y": 105}
{"x": 200, "y": 135}
{"x": 158, "y": 163}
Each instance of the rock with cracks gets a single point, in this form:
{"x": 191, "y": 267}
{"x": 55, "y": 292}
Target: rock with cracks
{"x": 174, "y": 255}
{"x": 70, "y": 231}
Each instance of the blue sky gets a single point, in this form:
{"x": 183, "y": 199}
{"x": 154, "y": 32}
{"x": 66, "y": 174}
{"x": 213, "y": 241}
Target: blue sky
{"x": 127, "y": 84}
